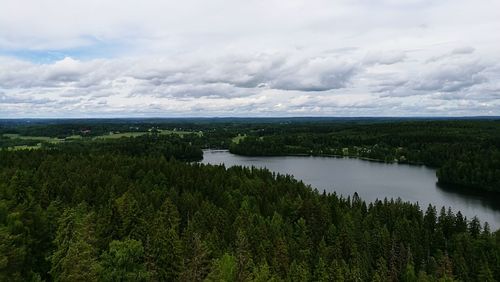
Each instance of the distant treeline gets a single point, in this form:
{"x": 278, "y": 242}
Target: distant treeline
{"x": 466, "y": 153}
{"x": 129, "y": 210}
{"x": 150, "y": 145}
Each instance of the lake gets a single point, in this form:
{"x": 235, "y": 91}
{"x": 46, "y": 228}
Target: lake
{"x": 371, "y": 180}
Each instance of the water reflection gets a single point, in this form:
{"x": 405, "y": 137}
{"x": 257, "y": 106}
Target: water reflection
{"x": 487, "y": 200}
{"x": 371, "y": 180}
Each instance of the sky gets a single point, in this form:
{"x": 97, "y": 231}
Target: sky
{"x": 261, "y": 58}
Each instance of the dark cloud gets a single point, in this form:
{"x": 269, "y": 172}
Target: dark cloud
{"x": 366, "y": 83}
{"x": 316, "y": 74}
{"x": 385, "y": 58}
{"x": 262, "y": 71}
{"x": 10, "y": 99}
{"x": 463, "y": 50}
{"x": 457, "y": 76}
{"x": 451, "y": 78}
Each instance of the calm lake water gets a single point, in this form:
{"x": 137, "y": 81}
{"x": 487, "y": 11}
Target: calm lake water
{"x": 371, "y": 180}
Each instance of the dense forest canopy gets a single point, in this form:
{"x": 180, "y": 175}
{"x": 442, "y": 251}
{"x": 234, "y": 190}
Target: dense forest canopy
{"x": 140, "y": 209}
{"x": 466, "y": 152}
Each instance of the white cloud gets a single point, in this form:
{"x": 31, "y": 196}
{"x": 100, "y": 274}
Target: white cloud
{"x": 319, "y": 57}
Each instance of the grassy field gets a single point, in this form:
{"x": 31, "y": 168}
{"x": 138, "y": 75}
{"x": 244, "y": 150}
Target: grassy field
{"x": 25, "y": 147}
{"x": 135, "y": 134}
{"x": 74, "y": 137}
{"x": 112, "y": 135}
{"x": 120, "y": 135}
{"x": 238, "y": 138}
{"x": 37, "y": 138}
{"x": 179, "y": 132}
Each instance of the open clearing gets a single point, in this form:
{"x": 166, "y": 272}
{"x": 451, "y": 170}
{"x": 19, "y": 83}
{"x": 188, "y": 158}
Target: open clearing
{"x": 120, "y": 135}
{"x": 238, "y": 138}
{"x": 37, "y": 138}
{"x": 54, "y": 140}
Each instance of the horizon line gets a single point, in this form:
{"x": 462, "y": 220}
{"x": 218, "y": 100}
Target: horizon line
{"x": 253, "y": 117}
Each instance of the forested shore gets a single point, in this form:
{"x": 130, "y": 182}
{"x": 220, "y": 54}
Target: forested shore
{"x": 139, "y": 209}
{"x": 466, "y": 154}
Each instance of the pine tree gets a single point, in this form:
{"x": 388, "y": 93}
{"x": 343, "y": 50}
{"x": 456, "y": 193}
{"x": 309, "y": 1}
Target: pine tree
{"x": 164, "y": 246}
{"x": 409, "y": 274}
{"x": 262, "y": 273}
{"x": 75, "y": 257}
{"x": 124, "y": 261}
{"x": 485, "y": 274}
{"x": 381, "y": 272}
{"x": 298, "y": 272}
{"x": 196, "y": 264}
{"x": 244, "y": 260}
{"x": 224, "y": 269}
{"x": 321, "y": 272}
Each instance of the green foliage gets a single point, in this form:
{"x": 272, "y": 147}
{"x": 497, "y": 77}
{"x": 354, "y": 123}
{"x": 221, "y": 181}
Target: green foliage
{"x": 196, "y": 259}
{"x": 112, "y": 213}
{"x": 75, "y": 258}
{"x": 224, "y": 269}
{"x": 262, "y": 273}
{"x": 124, "y": 261}
{"x": 466, "y": 153}
{"x": 163, "y": 245}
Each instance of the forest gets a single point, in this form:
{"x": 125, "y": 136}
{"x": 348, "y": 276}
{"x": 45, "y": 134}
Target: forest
{"x": 465, "y": 153}
{"x": 142, "y": 209}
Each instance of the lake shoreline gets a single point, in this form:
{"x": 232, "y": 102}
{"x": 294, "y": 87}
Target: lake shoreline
{"x": 330, "y": 156}
{"x": 371, "y": 179}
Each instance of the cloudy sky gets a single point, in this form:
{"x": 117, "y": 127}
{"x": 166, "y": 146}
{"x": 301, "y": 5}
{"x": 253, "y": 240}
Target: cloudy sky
{"x": 123, "y": 58}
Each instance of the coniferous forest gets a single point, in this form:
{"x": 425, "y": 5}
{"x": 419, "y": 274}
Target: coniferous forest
{"x": 143, "y": 209}
{"x": 465, "y": 153}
